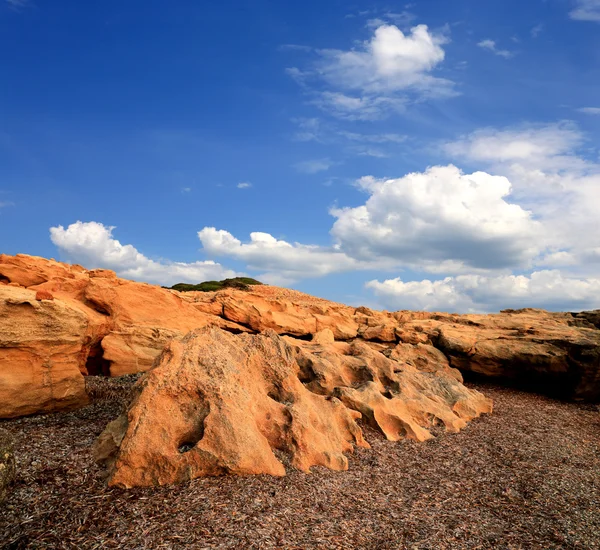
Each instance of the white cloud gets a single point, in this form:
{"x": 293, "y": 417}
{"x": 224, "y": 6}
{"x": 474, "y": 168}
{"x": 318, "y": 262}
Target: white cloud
{"x": 476, "y": 293}
{"x": 379, "y": 76}
{"x": 367, "y": 151}
{"x": 590, "y": 110}
{"x": 401, "y": 19}
{"x": 537, "y": 30}
{"x": 440, "y": 215}
{"x": 186, "y": 189}
{"x": 244, "y": 185}
{"x": 534, "y": 144}
{"x": 586, "y": 10}
{"x": 5, "y": 204}
{"x": 281, "y": 260}
{"x": 309, "y": 129}
{"x": 367, "y": 107}
{"x": 92, "y": 245}
{"x": 550, "y": 178}
{"x": 314, "y": 166}
{"x": 391, "y": 60}
{"x": 373, "y": 138}
{"x": 491, "y": 46}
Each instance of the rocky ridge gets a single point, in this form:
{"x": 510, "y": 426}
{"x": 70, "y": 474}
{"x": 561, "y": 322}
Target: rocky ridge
{"x": 247, "y": 381}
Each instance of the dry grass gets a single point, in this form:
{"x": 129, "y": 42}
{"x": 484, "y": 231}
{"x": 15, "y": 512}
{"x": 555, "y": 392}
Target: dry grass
{"x": 527, "y": 476}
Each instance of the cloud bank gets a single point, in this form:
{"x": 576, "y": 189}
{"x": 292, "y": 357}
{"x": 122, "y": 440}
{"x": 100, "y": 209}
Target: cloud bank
{"x": 93, "y": 245}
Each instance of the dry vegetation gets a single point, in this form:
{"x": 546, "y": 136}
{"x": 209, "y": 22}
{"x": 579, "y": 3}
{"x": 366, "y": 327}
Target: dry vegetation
{"x": 527, "y": 476}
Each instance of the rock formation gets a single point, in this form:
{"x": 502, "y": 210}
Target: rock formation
{"x": 7, "y": 463}
{"x": 59, "y": 322}
{"x": 219, "y": 403}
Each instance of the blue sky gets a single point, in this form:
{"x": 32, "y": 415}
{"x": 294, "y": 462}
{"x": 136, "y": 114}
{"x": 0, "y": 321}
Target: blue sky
{"x": 434, "y": 155}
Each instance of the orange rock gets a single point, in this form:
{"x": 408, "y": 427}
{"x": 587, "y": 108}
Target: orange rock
{"x": 128, "y": 324}
{"x": 43, "y": 295}
{"x": 40, "y": 352}
{"x": 217, "y": 403}
{"x": 555, "y": 353}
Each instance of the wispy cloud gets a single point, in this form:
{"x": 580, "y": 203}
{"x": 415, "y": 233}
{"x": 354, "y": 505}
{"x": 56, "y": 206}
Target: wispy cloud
{"x": 244, "y": 185}
{"x": 491, "y": 46}
{"x": 537, "y": 30}
{"x": 373, "y": 138}
{"x": 314, "y": 166}
{"x": 186, "y": 189}
{"x": 586, "y": 10}
{"x": 309, "y": 129}
{"x": 590, "y": 110}
{"x": 18, "y": 4}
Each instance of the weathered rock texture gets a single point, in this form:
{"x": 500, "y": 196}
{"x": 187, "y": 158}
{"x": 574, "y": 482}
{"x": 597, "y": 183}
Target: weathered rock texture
{"x": 556, "y": 353}
{"x": 59, "y": 322}
{"x": 7, "y": 463}
{"x": 219, "y": 403}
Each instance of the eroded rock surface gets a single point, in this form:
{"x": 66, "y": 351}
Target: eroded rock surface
{"x": 554, "y": 353}
{"x": 219, "y": 403}
{"x": 60, "y": 322}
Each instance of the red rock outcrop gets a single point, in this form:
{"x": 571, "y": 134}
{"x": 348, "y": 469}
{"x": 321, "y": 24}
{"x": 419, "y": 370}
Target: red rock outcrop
{"x": 219, "y": 403}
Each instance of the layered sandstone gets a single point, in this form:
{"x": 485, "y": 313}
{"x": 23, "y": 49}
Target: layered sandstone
{"x": 219, "y": 403}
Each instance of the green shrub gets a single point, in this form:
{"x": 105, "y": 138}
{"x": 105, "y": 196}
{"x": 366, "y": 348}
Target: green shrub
{"x": 241, "y": 283}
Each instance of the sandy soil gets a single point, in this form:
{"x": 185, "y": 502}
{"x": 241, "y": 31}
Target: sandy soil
{"x": 527, "y": 476}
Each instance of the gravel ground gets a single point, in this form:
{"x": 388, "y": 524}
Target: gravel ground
{"x": 527, "y": 476}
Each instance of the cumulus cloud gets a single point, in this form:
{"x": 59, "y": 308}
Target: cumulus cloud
{"x": 244, "y": 185}
{"x": 548, "y": 289}
{"x": 390, "y": 60}
{"x": 586, "y": 10}
{"x": 590, "y": 110}
{"x": 440, "y": 215}
{"x": 281, "y": 260}
{"x": 92, "y": 244}
{"x": 491, "y": 46}
{"x": 549, "y": 177}
{"x": 378, "y": 77}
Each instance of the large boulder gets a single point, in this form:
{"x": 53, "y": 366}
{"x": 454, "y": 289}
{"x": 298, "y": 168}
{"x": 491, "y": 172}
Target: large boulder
{"x": 219, "y": 403}
{"x": 7, "y": 463}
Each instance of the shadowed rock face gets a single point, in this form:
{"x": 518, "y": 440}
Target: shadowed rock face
{"x": 219, "y": 403}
